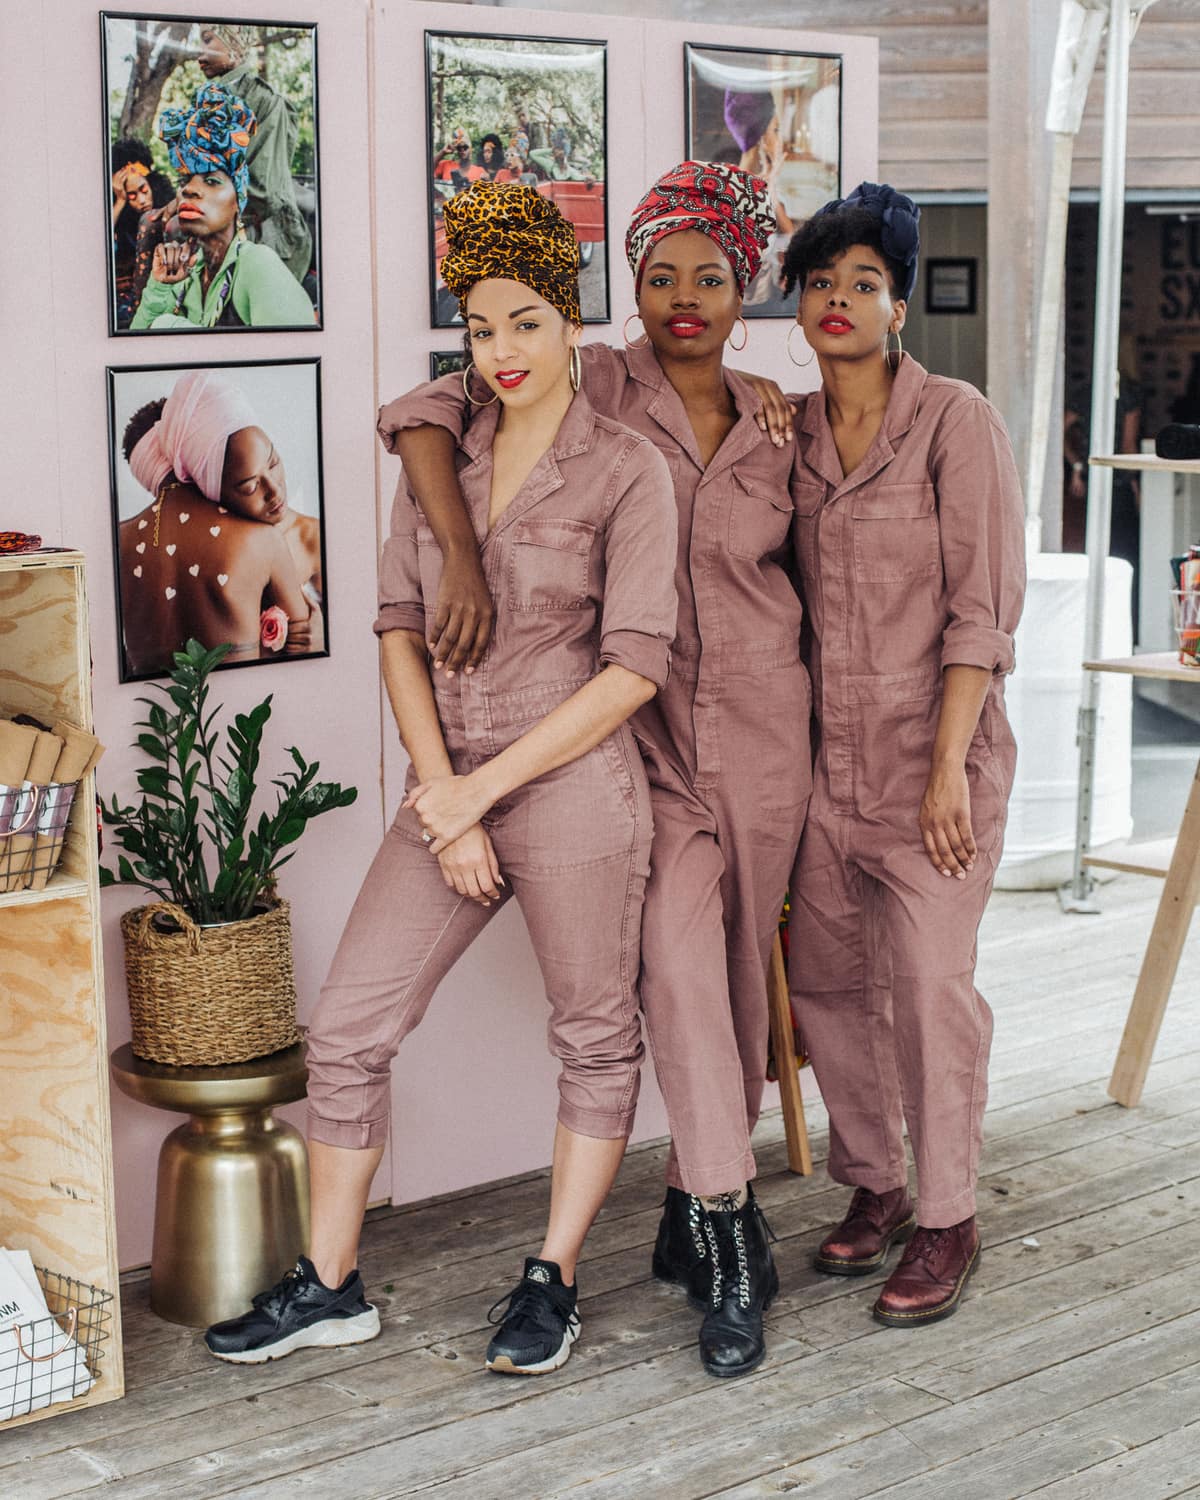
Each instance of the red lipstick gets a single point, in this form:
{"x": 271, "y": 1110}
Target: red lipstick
{"x": 510, "y": 379}
{"x": 687, "y": 326}
{"x": 835, "y": 323}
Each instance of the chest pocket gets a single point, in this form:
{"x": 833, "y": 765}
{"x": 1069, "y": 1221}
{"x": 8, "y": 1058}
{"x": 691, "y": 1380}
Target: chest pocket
{"x": 759, "y": 517}
{"x": 806, "y": 502}
{"x": 548, "y": 564}
{"x": 895, "y": 533}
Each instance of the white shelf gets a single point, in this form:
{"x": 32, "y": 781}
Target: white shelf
{"x": 1165, "y": 665}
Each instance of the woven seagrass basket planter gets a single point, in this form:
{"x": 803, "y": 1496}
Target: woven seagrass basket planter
{"x": 204, "y": 996}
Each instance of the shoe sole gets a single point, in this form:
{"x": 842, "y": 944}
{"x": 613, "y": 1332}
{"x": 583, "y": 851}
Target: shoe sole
{"x": 831, "y": 1266}
{"x": 331, "y": 1333}
{"x": 934, "y": 1315}
{"x": 502, "y": 1365}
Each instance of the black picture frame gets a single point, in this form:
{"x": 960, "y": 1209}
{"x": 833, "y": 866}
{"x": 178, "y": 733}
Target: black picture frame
{"x": 446, "y": 362}
{"x": 709, "y": 136}
{"x": 306, "y": 192}
{"x": 951, "y": 285}
{"x": 127, "y": 384}
{"x": 578, "y": 203}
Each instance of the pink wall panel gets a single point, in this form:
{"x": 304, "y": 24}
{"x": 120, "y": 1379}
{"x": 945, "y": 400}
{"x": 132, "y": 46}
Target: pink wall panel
{"x": 474, "y": 1089}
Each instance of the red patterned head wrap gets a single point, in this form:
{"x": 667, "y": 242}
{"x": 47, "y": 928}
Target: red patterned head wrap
{"x": 730, "y": 206}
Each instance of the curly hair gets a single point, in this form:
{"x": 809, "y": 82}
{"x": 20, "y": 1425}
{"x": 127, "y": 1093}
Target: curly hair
{"x": 140, "y": 424}
{"x": 827, "y": 237}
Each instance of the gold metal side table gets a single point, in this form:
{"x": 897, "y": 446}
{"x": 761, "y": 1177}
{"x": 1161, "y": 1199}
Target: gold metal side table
{"x": 231, "y": 1211}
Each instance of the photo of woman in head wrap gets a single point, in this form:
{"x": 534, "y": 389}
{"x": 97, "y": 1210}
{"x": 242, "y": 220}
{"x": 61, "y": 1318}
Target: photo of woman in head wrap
{"x": 226, "y": 281}
{"x": 137, "y": 189}
{"x": 777, "y": 115}
{"x": 221, "y": 552}
{"x": 228, "y": 115}
{"x": 272, "y": 214}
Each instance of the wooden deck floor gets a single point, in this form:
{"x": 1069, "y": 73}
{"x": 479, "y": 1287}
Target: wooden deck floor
{"x": 1071, "y": 1372}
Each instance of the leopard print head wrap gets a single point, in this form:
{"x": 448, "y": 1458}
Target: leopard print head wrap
{"x": 730, "y": 206}
{"x": 506, "y": 230}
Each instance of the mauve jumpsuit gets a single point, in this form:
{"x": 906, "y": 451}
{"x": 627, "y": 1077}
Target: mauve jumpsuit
{"x": 579, "y": 565}
{"x": 726, "y": 746}
{"x": 912, "y": 563}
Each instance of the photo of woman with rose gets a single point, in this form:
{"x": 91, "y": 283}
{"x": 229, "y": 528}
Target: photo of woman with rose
{"x": 216, "y": 487}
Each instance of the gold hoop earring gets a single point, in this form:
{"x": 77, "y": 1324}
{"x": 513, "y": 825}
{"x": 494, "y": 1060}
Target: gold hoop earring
{"x": 737, "y": 348}
{"x": 893, "y": 356}
{"x": 638, "y": 343}
{"x": 466, "y": 376}
{"x": 576, "y": 371}
{"x": 799, "y": 363}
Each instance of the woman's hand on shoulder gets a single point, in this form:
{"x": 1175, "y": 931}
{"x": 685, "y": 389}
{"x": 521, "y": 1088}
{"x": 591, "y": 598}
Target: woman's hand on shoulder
{"x": 469, "y": 866}
{"x": 777, "y": 416}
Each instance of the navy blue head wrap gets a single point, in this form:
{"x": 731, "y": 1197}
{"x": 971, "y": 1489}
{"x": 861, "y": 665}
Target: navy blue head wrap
{"x": 898, "y": 234}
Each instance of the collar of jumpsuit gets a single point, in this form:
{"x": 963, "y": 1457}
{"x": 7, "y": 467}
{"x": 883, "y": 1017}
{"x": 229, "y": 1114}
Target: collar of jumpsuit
{"x": 820, "y": 453}
{"x": 574, "y": 436}
{"x": 667, "y": 409}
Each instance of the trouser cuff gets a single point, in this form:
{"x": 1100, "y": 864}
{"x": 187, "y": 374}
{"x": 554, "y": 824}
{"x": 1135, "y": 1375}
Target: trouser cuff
{"x": 601, "y": 1125}
{"x": 707, "y": 1182}
{"x": 940, "y": 1213}
{"x": 354, "y": 1135}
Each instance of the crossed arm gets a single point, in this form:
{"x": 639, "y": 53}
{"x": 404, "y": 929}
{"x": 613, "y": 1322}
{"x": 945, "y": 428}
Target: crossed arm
{"x": 449, "y": 806}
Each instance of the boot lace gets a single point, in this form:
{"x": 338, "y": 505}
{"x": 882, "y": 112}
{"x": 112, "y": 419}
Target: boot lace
{"x": 695, "y": 1216}
{"x": 274, "y": 1302}
{"x": 926, "y": 1244}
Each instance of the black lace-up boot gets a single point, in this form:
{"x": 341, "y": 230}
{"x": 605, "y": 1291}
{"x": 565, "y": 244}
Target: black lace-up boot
{"x": 744, "y": 1284}
{"x": 681, "y": 1251}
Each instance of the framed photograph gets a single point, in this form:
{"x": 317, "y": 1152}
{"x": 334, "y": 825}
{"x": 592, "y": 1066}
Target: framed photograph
{"x": 210, "y": 173}
{"x": 218, "y": 521}
{"x": 520, "y": 109}
{"x": 950, "y": 285}
{"x": 778, "y": 115}
{"x": 446, "y": 362}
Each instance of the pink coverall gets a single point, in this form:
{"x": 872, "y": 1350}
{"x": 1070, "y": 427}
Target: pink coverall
{"x": 579, "y": 566}
{"x": 912, "y": 563}
{"x": 726, "y": 746}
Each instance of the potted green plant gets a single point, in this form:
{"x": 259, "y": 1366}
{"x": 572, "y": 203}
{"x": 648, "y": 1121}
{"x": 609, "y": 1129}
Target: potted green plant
{"x": 209, "y": 963}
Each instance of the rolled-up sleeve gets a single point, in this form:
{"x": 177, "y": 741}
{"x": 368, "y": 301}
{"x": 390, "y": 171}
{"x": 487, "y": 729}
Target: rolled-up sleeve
{"x": 981, "y": 516}
{"x": 401, "y": 603}
{"x": 641, "y": 539}
{"x": 437, "y": 403}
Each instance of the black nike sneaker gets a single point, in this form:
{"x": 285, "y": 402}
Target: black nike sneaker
{"x": 538, "y": 1323}
{"x": 300, "y": 1312}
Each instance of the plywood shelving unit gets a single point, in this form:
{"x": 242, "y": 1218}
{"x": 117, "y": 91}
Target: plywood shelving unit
{"x": 56, "y": 1176}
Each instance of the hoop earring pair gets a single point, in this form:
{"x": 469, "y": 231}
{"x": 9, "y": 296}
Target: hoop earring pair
{"x": 466, "y": 385}
{"x": 799, "y": 363}
{"x": 737, "y": 348}
{"x": 893, "y": 356}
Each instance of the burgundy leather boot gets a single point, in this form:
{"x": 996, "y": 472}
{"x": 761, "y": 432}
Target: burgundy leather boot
{"x": 928, "y": 1283}
{"x": 862, "y": 1240}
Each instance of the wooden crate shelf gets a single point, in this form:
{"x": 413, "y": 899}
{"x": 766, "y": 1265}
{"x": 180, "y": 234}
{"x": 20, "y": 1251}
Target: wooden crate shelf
{"x": 56, "y": 1173}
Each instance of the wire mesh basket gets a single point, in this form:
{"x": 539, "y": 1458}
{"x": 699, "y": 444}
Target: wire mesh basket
{"x": 33, "y": 827}
{"x": 56, "y": 1357}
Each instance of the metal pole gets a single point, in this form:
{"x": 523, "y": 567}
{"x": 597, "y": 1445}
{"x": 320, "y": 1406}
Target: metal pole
{"x": 1078, "y": 896}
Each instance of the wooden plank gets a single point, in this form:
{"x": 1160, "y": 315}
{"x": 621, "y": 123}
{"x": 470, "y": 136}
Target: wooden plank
{"x": 1160, "y": 664}
{"x": 784, "y": 1047}
{"x": 1152, "y": 857}
{"x": 1181, "y": 892}
{"x": 1148, "y": 461}
{"x": 1162, "y": 1468}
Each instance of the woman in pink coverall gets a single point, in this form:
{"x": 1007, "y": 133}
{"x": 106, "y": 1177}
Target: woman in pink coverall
{"x": 909, "y": 539}
{"x": 725, "y": 741}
